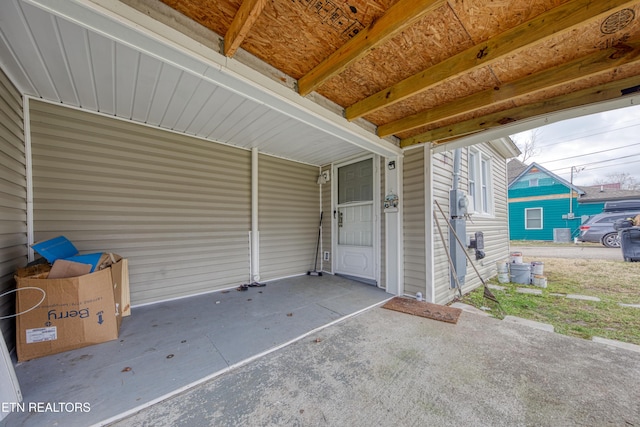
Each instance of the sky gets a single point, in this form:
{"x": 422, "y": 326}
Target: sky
{"x": 594, "y": 145}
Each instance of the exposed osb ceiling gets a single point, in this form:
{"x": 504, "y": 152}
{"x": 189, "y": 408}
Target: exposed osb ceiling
{"x": 433, "y": 70}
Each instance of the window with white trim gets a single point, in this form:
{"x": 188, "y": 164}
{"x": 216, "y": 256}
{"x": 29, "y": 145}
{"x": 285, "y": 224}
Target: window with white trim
{"x": 533, "y": 219}
{"x": 480, "y": 188}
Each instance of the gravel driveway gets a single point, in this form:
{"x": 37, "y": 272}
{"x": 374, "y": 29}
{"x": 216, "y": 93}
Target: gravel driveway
{"x": 570, "y": 251}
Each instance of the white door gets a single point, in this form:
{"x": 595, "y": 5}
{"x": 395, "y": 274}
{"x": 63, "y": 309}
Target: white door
{"x": 355, "y": 249}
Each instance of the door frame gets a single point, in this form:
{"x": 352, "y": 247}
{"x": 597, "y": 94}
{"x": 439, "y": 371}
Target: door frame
{"x": 9, "y": 387}
{"x": 376, "y": 212}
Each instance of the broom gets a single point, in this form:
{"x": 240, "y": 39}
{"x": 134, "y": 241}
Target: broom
{"x": 315, "y": 271}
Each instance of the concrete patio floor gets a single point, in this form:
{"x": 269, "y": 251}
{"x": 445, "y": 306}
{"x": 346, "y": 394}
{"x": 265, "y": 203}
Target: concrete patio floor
{"x": 170, "y": 346}
{"x": 385, "y": 368}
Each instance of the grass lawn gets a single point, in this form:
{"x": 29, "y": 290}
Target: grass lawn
{"x": 612, "y": 281}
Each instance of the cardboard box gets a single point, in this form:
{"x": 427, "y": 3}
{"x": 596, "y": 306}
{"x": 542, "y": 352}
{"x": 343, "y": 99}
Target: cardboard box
{"x": 120, "y": 273}
{"x": 75, "y": 312}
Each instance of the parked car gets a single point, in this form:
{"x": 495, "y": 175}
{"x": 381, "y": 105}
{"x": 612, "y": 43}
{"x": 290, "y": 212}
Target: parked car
{"x": 599, "y": 228}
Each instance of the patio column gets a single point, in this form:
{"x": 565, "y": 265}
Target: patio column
{"x": 255, "y": 233}
{"x": 393, "y": 225}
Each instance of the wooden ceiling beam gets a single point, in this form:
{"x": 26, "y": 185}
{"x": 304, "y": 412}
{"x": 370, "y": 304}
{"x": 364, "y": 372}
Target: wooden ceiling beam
{"x": 605, "y": 92}
{"x": 543, "y": 26}
{"x": 595, "y": 63}
{"x": 395, "y": 20}
{"x": 244, "y": 19}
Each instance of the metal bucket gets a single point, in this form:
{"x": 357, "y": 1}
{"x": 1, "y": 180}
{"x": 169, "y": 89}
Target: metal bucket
{"x": 537, "y": 267}
{"x": 540, "y": 281}
{"x": 520, "y": 273}
{"x": 515, "y": 257}
{"x": 502, "y": 266}
{"x": 503, "y": 277}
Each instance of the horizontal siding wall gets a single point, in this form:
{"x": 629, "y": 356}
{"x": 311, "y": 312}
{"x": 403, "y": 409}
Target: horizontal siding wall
{"x": 289, "y": 216}
{"x": 553, "y": 210}
{"x": 177, "y": 207}
{"x": 414, "y": 222}
{"x": 442, "y": 166}
{"x": 494, "y": 227}
{"x": 382, "y": 283}
{"x": 13, "y": 200}
{"x": 327, "y": 221}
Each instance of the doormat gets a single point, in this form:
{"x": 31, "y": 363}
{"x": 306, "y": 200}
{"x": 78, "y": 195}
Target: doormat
{"x": 442, "y": 313}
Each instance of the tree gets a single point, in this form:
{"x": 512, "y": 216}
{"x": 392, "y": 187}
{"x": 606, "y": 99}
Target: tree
{"x": 528, "y": 146}
{"x": 626, "y": 180}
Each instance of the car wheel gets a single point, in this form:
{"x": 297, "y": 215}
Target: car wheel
{"x": 611, "y": 240}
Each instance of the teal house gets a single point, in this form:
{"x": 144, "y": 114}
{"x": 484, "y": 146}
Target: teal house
{"x": 544, "y": 206}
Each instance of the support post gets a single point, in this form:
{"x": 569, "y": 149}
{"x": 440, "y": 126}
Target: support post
{"x": 255, "y": 233}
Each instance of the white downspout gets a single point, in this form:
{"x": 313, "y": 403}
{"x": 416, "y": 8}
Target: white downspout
{"x": 26, "y": 114}
{"x": 255, "y": 233}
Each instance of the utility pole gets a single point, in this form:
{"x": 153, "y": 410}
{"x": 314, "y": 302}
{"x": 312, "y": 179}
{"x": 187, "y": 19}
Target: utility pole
{"x": 573, "y": 168}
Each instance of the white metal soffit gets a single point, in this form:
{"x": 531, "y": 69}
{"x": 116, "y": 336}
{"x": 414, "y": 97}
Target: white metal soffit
{"x": 82, "y": 54}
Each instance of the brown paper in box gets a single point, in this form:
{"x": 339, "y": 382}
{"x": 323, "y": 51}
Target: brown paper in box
{"x": 62, "y": 268}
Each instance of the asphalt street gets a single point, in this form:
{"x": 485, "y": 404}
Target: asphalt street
{"x": 578, "y": 251}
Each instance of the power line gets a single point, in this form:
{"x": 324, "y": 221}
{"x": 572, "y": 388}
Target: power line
{"x": 561, "y": 141}
{"x": 595, "y": 152}
{"x": 597, "y": 167}
{"x": 601, "y": 161}
{"x": 624, "y": 163}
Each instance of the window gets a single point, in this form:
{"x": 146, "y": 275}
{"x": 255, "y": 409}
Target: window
{"x": 613, "y": 219}
{"x": 479, "y": 166}
{"x": 533, "y": 219}
{"x": 533, "y": 182}
{"x": 472, "y": 175}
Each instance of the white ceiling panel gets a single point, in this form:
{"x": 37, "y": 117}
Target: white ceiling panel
{"x": 187, "y": 116}
{"x": 75, "y": 40}
{"x": 247, "y": 116}
{"x": 270, "y": 123}
{"x": 102, "y": 59}
{"x": 16, "y": 32}
{"x": 126, "y": 79}
{"x": 45, "y": 33}
{"x": 223, "y": 110}
{"x": 111, "y": 68}
{"x": 180, "y": 99}
{"x": 148, "y": 76}
{"x": 167, "y": 84}
{"x": 8, "y": 61}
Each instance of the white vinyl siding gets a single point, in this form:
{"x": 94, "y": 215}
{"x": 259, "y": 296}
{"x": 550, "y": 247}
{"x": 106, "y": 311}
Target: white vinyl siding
{"x": 533, "y": 219}
{"x": 414, "y": 222}
{"x": 327, "y": 221}
{"x": 289, "y": 217}
{"x": 177, "y": 207}
{"x": 13, "y": 200}
{"x": 442, "y": 165}
{"x": 382, "y": 282}
{"x": 494, "y": 227}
